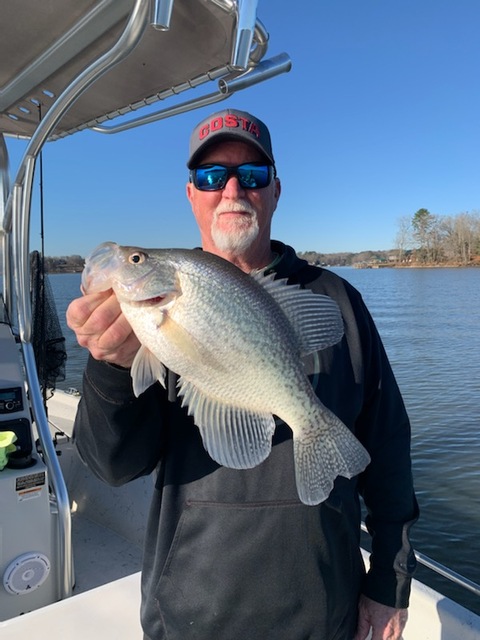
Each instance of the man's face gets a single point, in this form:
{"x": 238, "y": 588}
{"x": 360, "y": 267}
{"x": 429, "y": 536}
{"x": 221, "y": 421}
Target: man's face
{"x": 233, "y": 220}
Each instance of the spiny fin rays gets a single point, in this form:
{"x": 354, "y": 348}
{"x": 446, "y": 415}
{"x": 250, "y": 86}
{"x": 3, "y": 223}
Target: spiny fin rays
{"x": 316, "y": 319}
{"x": 233, "y": 437}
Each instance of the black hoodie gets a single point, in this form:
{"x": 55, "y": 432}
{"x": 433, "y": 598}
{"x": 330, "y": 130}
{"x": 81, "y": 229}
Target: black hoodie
{"x": 233, "y": 554}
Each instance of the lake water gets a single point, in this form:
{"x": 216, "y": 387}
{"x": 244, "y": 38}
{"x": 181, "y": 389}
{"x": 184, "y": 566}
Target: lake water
{"x": 429, "y": 320}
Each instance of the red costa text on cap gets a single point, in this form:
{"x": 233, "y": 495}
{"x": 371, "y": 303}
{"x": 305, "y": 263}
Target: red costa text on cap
{"x": 229, "y": 121}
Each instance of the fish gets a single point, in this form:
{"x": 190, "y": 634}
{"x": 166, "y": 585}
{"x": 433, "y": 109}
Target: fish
{"x": 236, "y": 341}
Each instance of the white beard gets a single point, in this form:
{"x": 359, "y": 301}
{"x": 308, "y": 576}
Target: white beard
{"x": 241, "y": 232}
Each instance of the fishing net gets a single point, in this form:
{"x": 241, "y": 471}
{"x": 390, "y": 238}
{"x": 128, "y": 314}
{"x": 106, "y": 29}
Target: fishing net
{"x": 47, "y": 338}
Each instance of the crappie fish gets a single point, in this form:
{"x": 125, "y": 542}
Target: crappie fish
{"x": 236, "y": 342}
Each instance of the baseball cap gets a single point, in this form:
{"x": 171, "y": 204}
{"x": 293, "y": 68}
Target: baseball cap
{"x": 229, "y": 124}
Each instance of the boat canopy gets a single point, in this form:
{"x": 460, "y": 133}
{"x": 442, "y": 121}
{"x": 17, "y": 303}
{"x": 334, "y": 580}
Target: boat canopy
{"x": 179, "y": 45}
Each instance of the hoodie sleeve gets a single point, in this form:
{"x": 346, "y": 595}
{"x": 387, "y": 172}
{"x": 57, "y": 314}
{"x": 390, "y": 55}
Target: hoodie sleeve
{"x": 386, "y": 484}
{"x": 119, "y": 436}
{"x": 378, "y": 417}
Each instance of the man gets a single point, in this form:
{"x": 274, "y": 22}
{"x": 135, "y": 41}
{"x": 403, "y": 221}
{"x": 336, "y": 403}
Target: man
{"x": 232, "y": 554}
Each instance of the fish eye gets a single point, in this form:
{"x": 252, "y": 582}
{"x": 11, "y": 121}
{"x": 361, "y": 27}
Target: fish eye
{"x": 137, "y": 258}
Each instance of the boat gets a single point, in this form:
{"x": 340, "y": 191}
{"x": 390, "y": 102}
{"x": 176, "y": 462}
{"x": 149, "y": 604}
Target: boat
{"x": 70, "y": 546}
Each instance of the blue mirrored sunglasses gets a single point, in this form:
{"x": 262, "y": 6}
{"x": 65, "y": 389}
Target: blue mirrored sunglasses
{"x": 251, "y": 175}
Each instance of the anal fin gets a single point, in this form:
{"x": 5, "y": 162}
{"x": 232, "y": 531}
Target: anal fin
{"x": 233, "y": 437}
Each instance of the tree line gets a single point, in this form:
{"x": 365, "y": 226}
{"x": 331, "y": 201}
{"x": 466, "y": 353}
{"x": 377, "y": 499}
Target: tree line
{"x": 64, "y": 264}
{"x": 422, "y": 239}
{"x": 428, "y": 238}
{"x": 350, "y": 258}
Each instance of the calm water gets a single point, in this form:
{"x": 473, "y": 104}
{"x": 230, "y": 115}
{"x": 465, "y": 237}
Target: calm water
{"x": 429, "y": 320}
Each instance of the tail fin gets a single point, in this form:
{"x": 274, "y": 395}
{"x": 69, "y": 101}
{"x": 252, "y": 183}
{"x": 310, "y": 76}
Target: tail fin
{"x": 320, "y": 459}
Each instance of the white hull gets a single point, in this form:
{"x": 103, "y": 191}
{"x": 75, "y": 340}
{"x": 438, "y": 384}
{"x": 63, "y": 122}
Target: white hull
{"x": 113, "y": 614}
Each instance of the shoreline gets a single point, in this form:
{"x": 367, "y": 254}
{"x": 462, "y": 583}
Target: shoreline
{"x": 417, "y": 266}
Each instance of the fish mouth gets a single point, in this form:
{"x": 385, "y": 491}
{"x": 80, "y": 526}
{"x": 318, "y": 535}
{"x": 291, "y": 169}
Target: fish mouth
{"x": 162, "y": 302}
{"x": 96, "y": 275}
{"x": 131, "y": 290}
{"x": 107, "y": 267}
{"x": 150, "y": 302}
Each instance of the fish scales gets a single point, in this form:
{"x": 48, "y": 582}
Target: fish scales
{"x": 252, "y": 350}
{"x": 236, "y": 341}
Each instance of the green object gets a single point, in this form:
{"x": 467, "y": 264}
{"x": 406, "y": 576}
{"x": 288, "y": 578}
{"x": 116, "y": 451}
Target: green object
{"x": 7, "y": 438}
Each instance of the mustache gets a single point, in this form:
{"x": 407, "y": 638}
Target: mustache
{"x": 240, "y": 206}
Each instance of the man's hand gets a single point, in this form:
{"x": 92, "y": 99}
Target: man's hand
{"x": 385, "y": 622}
{"x": 101, "y": 327}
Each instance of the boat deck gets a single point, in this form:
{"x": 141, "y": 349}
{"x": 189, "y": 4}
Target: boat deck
{"x": 109, "y": 612}
{"x": 108, "y": 523}
{"x": 100, "y": 555}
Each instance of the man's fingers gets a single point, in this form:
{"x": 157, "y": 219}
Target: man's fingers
{"x": 80, "y": 310}
{"x": 101, "y": 327}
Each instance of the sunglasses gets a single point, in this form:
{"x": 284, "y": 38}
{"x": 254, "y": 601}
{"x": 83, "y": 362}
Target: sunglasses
{"x": 251, "y": 175}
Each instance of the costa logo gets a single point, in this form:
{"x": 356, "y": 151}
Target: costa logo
{"x": 229, "y": 121}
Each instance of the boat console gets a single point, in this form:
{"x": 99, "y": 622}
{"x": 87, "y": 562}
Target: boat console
{"x": 28, "y": 518}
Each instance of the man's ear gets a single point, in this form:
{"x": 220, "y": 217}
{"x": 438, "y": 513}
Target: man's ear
{"x": 189, "y": 191}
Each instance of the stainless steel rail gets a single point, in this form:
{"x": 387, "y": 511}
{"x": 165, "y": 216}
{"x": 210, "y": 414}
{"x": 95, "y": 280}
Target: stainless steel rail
{"x": 264, "y": 70}
{"x": 17, "y": 219}
{"x": 442, "y": 570}
{"x": 4, "y": 236}
{"x": 451, "y": 575}
{"x": 256, "y": 71}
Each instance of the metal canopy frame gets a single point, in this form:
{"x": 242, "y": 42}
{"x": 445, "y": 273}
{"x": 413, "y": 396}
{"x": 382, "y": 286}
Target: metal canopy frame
{"x": 204, "y": 41}
{"x": 143, "y": 51}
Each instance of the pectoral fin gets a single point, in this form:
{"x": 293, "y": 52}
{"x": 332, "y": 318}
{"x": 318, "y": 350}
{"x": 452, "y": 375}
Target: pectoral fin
{"x": 233, "y": 437}
{"x": 146, "y": 370}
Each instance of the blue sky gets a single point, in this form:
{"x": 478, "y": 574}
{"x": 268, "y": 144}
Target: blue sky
{"x": 379, "y": 117}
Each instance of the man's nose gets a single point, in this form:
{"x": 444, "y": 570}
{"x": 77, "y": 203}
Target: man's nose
{"x": 233, "y": 187}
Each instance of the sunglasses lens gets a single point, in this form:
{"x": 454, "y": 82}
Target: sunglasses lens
{"x": 210, "y": 178}
{"x": 214, "y": 177}
{"x": 253, "y": 176}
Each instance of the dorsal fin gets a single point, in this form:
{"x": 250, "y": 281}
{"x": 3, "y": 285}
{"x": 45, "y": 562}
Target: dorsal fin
{"x": 315, "y": 318}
